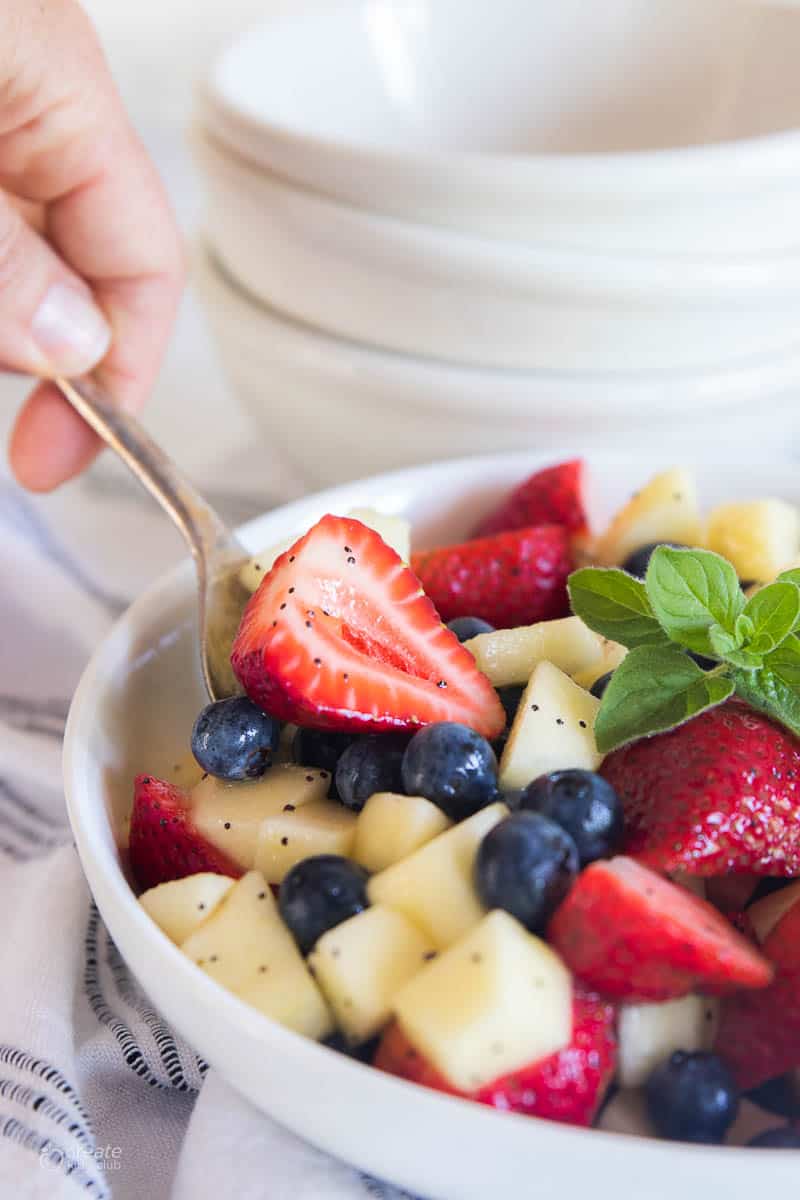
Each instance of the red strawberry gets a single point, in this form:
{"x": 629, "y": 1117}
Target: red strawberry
{"x": 759, "y": 1033}
{"x": 630, "y": 934}
{"x": 163, "y": 843}
{"x": 340, "y": 636}
{"x": 717, "y": 796}
{"x": 550, "y": 497}
{"x": 508, "y": 579}
{"x": 568, "y": 1086}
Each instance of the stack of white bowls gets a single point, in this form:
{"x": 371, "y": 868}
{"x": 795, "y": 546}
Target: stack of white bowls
{"x": 438, "y": 227}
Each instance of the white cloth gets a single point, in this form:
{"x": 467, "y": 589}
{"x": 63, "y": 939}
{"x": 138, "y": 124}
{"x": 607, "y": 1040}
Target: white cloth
{"x": 97, "y": 1095}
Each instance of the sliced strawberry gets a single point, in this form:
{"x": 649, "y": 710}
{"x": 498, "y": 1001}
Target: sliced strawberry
{"x": 568, "y": 1086}
{"x": 719, "y": 795}
{"x": 554, "y": 496}
{"x": 759, "y": 1032}
{"x": 339, "y": 635}
{"x": 163, "y": 843}
{"x": 630, "y": 934}
{"x": 508, "y": 579}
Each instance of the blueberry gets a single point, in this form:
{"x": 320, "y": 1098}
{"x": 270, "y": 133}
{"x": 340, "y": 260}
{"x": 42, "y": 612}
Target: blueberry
{"x": 452, "y": 766}
{"x": 637, "y": 563}
{"x": 705, "y": 664}
{"x": 584, "y": 804}
{"x": 780, "y": 1096}
{"x": 600, "y": 685}
{"x": 782, "y": 1138}
{"x": 510, "y": 697}
{"x": 692, "y": 1098}
{"x": 235, "y": 739}
{"x": 372, "y": 764}
{"x": 320, "y": 748}
{"x": 319, "y": 893}
{"x": 526, "y": 865}
{"x": 468, "y": 627}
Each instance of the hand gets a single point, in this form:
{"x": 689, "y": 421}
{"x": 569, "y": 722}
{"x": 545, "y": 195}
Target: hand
{"x": 90, "y": 259}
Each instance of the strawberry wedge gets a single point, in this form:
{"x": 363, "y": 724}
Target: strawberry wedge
{"x": 163, "y": 844}
{"x": 341, "y": 636}
{"x": 554, "y": 496}
{"x": 630, "y": 934}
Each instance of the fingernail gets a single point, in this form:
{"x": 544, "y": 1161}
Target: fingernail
{"x": 70, "y": 331}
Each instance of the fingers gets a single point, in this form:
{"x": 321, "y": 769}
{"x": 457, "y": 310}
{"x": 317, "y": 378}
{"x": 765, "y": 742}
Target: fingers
{"x": 66, "y": 144}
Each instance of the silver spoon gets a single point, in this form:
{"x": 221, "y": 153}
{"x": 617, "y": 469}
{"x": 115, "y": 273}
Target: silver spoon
{"x": 216, "y": 552}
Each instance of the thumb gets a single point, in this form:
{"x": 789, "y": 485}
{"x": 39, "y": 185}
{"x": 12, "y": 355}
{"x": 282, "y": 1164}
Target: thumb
{"x": 49, "y": 322}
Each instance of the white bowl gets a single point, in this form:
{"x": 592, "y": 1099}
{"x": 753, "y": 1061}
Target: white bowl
{"x": 134, "y": 709}
{"x": 421, "y": 290}
{"x": 627, "y": 124}
{"x": 334, "y": 409}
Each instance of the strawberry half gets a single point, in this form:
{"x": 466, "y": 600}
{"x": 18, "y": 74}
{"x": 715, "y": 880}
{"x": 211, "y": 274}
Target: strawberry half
{"x": 717, "y": 796}
{"x": 339, "y": 635}
{"x": 568, "y": 1086}
{"x": 554, "y": 496}
{"x": 630, "y": 934}
{"x": 508, "y": 579}
{"x": 759, "y": 1033}
{"x": 163, "y": 843}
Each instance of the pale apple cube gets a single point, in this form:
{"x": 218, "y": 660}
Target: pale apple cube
{"x": 181, "y": 906}
{"x": 230, "y": 815}
{"x": 363, "y": 963}
{"x": 649, "y": 1033}
{"x": 246, "y": 948}
{"x": 394, "y": 530}
{"x": 390, "y": 827}
{"x": 664, "y": 510}
{"x": 321, "y": 827}
{"x": 508, "y": 656}
{"x": 552, "y": 731}
{"x": 613, "y": 655}
{"x": 758, "y": 536}
{"x": 765, "y": 914}
{"x": 289, "y": 995}
{"x": 498, "y": 1000}
{"x": 434, "y": 886}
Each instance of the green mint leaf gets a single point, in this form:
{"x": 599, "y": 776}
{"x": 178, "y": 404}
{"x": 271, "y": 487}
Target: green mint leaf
{"x": 653, "y": 689}
{"x": 690, "y": 591}
{"x": 770, "y": 691}
{"x": 614, "y": 605}
{"x": 743, "y": 630}
{"x": 722, "y": 642}
{"x": 792, "y": 576}
{"x": 785, "y": 662}
{"x": 773, "y": 612}
{"x": 746, "y": 659}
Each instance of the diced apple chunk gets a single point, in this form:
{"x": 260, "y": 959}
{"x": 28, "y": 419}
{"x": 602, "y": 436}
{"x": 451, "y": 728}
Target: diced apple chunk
{"x": 665, "y": 510}
{"x": 613, "y": 655}
{"x": 508, "y": 656}
{"x": 230, "y": 815}
{"x": 363, "y": 963}
{"x": 246, "y": 947}
{"x": 496, "y": 1001}
{"x": 760, "y": 537}
{"x": 765, "y": 914}
{"x": 321, "y": 827}
{"x": 395, "y": 531}
{"x": 180, "y": 906}
{"x": 390, "y": 827}
{"x": 553, "y": 729}
{"x": 650, "y": 1033}
{"x": 433, "y": 887}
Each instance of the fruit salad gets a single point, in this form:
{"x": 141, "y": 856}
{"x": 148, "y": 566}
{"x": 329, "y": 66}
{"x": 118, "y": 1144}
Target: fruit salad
{"x": 516, "y": 819}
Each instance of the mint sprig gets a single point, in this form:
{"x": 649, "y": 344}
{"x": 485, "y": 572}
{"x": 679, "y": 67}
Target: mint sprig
{"x": 690, "y": 603}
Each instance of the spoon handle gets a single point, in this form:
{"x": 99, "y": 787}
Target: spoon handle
{"x": 200, "y": 525}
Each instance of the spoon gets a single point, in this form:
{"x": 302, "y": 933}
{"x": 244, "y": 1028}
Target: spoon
{"x": 216, "y": 552}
